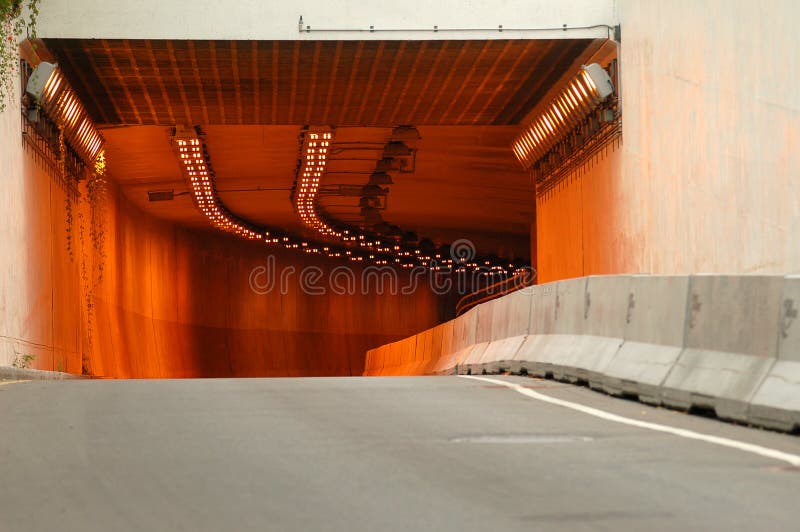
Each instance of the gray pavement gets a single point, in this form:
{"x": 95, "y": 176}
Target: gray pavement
{"x": 420, "y": 453}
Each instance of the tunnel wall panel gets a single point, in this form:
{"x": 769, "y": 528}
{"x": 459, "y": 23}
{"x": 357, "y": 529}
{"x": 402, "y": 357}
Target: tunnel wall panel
{"x": 171, "y": 301}
{"x": 180, "y": 305}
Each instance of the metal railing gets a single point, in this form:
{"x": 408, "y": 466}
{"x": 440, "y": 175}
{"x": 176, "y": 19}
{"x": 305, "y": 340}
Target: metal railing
{"x": 518, "y": 281}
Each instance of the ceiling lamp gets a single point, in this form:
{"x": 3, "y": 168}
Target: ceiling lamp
{"x": 388, "y": 164}
{"x": 50, "y": 89}
{"x": 396, "y": 149}
{"x": 405, "y": 133}
{"x": 371, "y": 216}
{"x": 315, "y": 150}
{"x": 380, "y": 178}
{"x": 161, "y": 195}
{"x": 194, "y": 163}
{"x": 192, "y": 155}
{"x": 373, "y": 191}
{"x": 582, "y": 95}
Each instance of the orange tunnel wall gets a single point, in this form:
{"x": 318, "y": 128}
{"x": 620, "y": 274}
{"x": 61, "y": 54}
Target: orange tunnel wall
{"x": 171, "y": 301}
{"x": 574, "y": 236}
{"x": 179, "y": 303}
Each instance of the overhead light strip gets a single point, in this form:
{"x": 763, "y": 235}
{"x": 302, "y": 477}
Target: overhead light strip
{"x": 195, "y": 165}
{"x": 201, "y": 186}
{"x": 315, "y": 150}
{"x": 48, "y": 86}
{"x": 582, "y": 95}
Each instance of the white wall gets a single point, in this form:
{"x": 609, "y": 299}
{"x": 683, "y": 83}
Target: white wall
{"x": 40, "y": 305}
{"x": 711, "y": 159}
{"x": 268, "y": 20}
{"x": 710, "y": 173}
{"x": 13, "y": 263}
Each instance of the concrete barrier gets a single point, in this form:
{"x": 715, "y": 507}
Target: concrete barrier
{"x": 446, "y": 362}
{"x": 730, "y": 346}
{"x": 472, "y": 362}
{"x": 400, "y": 357}
{"x": 464, "y": 335}
{"x": 464, "y": 330}
{"x": 510, "y": 323}
{"x": 411, "y": 351}
{"x": 429, "y": 350}
{"x": 653, "y": 337}
{"x": 724, "y": 343}
{"x": 387, "y": 359}
{"x": 605, "y": 312}
{"x": 541, "y": 324}
{"x": 437, "y": 340}
{"x": 776, "y": 403}
{"x": 553, "y": 352}
{"x": 372, "y": 366}
{"x": 416, "y": 364}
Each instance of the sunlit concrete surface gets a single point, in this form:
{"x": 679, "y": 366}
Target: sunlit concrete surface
{"x": 253, "y": 19}
{"x": 705, "y": 179}
{"x": 430, "y": 453}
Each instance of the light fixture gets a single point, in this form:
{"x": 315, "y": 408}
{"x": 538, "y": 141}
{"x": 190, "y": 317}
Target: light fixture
{"x": 316, "y": 146}
{"x": 387, "y": 164}
{"x": 195, "y": 165}
{"x": 373, "y": 191}
{"x": 380, "y": 178}
{"x": 582, "y": 95}
{"x": 371, "y": 216}
{"x": 396, "y": 149}
{"x": 50, "y": 89}
{"x": 405, "y": 133}
{"x": 160, "y": 195}
{"x": 315, "y": 149}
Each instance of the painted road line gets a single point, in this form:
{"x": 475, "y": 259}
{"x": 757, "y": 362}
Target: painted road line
{"x": 11, "y": 382}
{"x": 775, "y": 454}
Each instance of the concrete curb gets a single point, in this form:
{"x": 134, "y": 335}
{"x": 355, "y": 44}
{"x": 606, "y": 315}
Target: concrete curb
{"x": 12, "y": 373}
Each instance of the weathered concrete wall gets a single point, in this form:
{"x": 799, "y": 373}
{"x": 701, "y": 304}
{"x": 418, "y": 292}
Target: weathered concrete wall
{"x": 709, "y": 167}
{"x": 256, "y": 19}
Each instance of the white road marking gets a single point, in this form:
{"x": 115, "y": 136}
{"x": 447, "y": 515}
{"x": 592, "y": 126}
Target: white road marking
{"x": 792, "y": 459}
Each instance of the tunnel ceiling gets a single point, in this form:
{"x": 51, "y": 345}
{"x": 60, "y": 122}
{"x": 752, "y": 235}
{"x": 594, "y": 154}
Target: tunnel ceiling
{"x": 365, "y": 83}
{"x": 252, "y": 97}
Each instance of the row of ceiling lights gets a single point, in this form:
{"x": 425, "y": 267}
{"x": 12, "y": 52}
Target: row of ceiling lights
{"x": 356, "y": 247}
{"x": 316, "y": 146}
{"x": 590, "y": 86}
{"x": 54, "y": 95}
{"x": 396, "y": 154}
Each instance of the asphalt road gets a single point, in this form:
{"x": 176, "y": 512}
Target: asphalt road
{"x": 429, "y": 453}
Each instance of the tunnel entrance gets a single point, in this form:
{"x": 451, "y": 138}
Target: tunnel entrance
{"x": 352, "y": 178}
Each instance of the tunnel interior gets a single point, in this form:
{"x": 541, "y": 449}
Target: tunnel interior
{"x": 148, "y": 267}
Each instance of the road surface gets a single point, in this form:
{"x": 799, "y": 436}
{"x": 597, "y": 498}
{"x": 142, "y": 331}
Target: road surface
{"x": 340, "y": 454}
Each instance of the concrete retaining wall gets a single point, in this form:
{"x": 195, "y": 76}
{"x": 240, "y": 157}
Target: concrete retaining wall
{"x": 722, "y": 343}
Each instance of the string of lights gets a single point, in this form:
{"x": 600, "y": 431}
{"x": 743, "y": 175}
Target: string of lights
{"x": 350, "y": 245}
{"x": 316, "y": 145}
